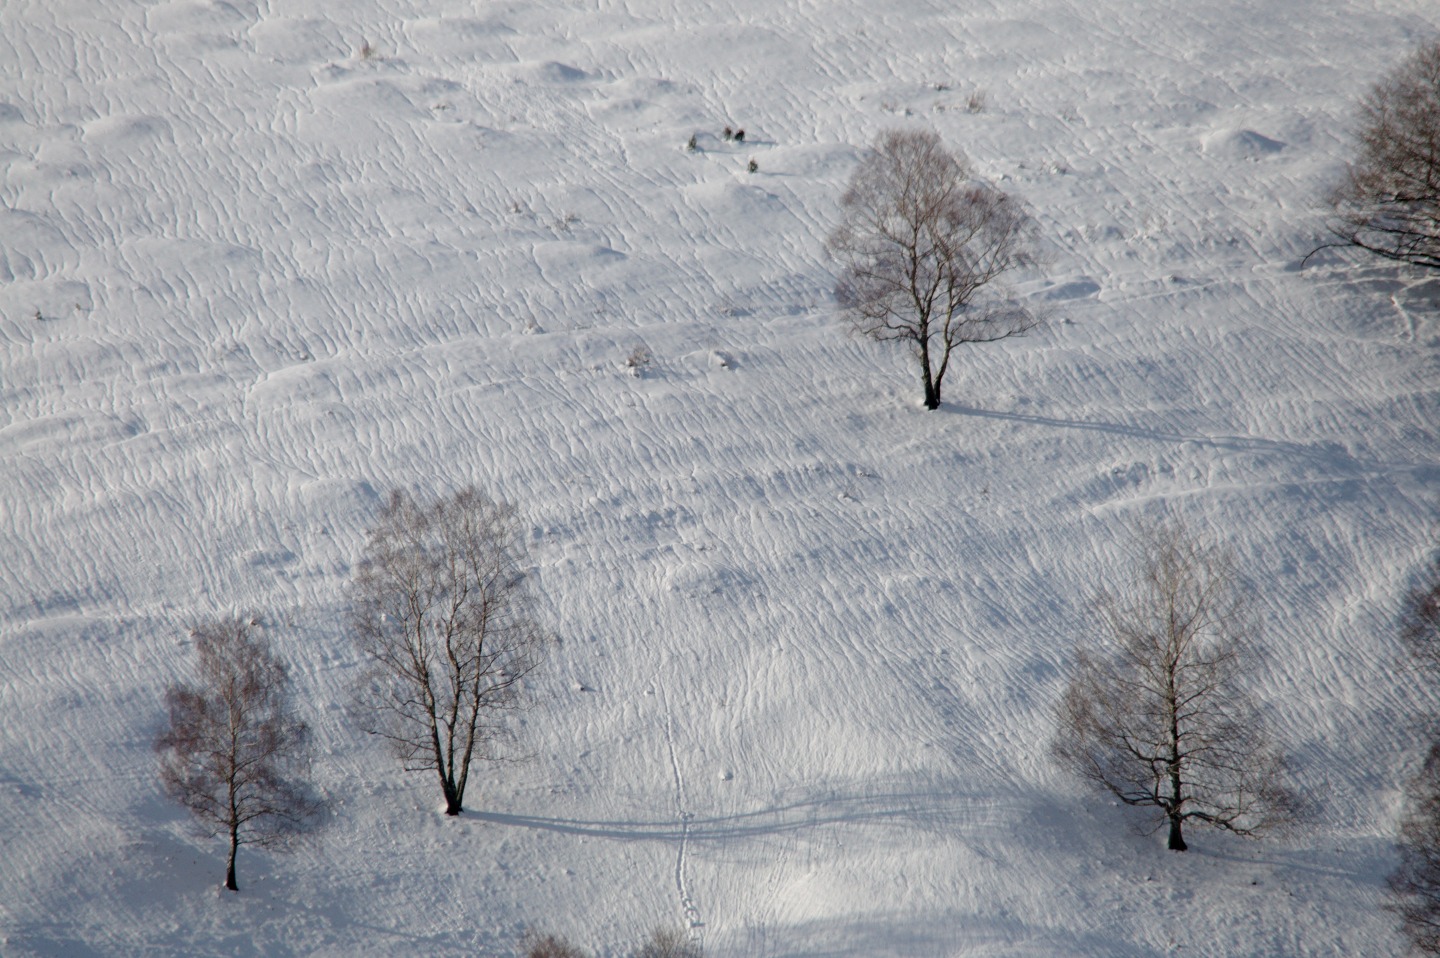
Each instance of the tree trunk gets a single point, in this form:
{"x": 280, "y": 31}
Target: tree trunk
{"x": 1177, "y": 841}
{"x": 1177, "y": 793}
{"x": 452, "y": 795}
{"x": 927, "y": 375}
{"x": 230, "y": 868}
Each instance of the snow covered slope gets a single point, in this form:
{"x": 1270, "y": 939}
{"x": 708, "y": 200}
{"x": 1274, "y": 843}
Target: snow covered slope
{"x": 262, "y": 261}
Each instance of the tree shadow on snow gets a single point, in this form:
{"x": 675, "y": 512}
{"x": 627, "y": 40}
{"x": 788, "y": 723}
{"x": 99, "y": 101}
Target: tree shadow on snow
{"x": 1327, "y": 454}
{"x": 930, "y": 810}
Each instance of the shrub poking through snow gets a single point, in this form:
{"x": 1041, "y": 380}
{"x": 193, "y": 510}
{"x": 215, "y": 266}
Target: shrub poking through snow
{"x": 639, "y": 360}
{"x": 441, "y": 613}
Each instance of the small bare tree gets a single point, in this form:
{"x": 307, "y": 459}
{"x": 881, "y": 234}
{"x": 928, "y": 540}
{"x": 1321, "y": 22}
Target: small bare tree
{"x": 1389, "y": 201}
{"x": 1159, "y": 719}
{"x": 921, "y": 246}
{"x": 233, "y": 752}
{"x": 442, "y": 614}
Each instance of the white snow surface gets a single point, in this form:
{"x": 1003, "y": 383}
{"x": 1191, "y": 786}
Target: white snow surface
{"x": 262, "y": 261}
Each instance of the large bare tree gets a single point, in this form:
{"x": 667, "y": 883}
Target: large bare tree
{"x": 1158, "y": 717}
{"x": 233, "y": 751}
{"x": 442, "y": 614}
{"x": 921, "y": 245}
{"x": 1389, "y": 202}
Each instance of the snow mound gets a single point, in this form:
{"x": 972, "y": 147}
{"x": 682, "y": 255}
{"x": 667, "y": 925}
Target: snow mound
{"x": 1241, "y": 145}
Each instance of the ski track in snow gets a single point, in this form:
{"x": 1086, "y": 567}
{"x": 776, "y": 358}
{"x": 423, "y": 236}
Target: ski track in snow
{"x": 251, "y": 279}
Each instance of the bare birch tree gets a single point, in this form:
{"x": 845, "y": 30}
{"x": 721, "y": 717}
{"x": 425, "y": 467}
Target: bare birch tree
{"x": 921, "y": 246}
{"x": 1389, "y": 202}
{"x": 1158, "y": 718}
{"x": 441, "y": 611}
{"x": 233, "y": 752}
